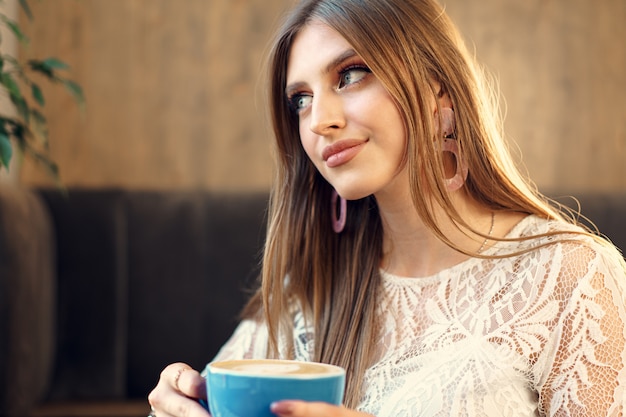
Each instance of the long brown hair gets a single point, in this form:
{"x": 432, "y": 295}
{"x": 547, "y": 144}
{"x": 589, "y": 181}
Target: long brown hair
{"x": 334, "y": 279}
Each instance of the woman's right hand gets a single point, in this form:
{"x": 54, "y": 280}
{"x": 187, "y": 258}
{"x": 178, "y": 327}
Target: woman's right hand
{"x": 177, "y": 394}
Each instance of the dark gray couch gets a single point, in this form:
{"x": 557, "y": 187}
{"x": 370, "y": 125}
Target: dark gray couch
{"x": 99, "y": 289}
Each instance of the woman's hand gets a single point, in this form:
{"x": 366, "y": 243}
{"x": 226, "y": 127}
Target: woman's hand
{"x": 312, "y": 409}
{"x": 177, "y": 393}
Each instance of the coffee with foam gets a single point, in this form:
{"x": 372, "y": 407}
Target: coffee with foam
{"x": 276, "y": 367}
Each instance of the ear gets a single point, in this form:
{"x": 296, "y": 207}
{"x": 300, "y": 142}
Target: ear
{"x": 442, "y": 95}
{"x": 447, "y": 113}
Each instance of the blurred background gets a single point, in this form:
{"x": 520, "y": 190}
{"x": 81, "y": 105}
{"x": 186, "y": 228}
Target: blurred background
{"x": 175, "y": 97}
{"x": 169, "y": 168}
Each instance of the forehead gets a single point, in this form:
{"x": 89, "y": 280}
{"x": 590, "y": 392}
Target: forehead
{"x": 314, "y": 47}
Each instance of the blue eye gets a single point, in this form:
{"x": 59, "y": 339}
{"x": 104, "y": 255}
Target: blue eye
{"x": 352, "y": 75}
{"x": 299, "y": 101}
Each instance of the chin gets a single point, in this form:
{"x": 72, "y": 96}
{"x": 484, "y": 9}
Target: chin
{"x": 355, "y": 186}
{"x": 353, "y": 194}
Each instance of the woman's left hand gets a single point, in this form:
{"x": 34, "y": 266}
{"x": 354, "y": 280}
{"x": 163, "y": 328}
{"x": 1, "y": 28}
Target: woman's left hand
{"x": 292, "y": 408}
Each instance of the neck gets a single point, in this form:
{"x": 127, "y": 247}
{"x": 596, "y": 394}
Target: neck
{"x": 412, "y": 249}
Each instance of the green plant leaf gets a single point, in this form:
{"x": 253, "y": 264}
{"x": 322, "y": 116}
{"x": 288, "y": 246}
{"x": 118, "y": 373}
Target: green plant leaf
{"x": 37, "y": 94}
{"x": 20, "y": 134}
{"x": 55, "y": 64}
{"x": 75, "y": 90}
{"x": 26, "y": 9}
{"x": 22, "y": 108}
{"x": 39, "y": 126}
{"x": 5, "y": 122}
{"x": 9, "y": 83}
{"x": 6, "y": 150}
{"x": 39, "y": 66}
{"x": 15, "y": 28}
{"x": 48, "y": 66}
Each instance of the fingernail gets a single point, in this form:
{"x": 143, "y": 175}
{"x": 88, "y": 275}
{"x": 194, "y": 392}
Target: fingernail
{"x": 284, "y": 408}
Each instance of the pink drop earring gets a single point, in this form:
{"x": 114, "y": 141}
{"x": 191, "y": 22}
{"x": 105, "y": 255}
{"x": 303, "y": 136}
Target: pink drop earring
{"x": 457, "y": 181}
{"x": 338, "y": 223}
{"x": 448, "y": 125}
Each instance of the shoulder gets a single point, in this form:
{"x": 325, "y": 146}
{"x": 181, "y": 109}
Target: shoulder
{"x": 561, "y": 251}
{"x": 537, "y": 232}
{"x": 532, "y": 225}
{"x": 579, "y": 261}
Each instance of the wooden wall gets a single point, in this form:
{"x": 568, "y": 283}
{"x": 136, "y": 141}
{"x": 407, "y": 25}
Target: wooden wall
{"x": 173, "y": 92}
{"x": 174, "y": 95}
{"x": 562, "y": 70}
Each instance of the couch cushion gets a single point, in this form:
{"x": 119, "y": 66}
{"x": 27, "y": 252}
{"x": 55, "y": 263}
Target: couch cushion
{"x": 27, "y": 300}
{"x": 191, "y": 256}
{"x": 92, "y": 293}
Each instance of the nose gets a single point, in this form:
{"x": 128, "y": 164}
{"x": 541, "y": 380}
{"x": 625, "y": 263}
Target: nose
{"x": 327, "y": 113}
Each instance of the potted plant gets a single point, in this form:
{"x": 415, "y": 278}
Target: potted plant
{"x": 26, "y": 127}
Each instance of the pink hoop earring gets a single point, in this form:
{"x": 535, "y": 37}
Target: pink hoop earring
{"x": 456, "y": 182}
{"x": 338, "y": 223}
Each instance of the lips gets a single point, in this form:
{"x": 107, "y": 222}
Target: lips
{"x": 342, "y": 152}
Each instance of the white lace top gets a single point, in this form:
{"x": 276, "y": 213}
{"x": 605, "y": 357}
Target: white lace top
{"x": 543, "y": 333}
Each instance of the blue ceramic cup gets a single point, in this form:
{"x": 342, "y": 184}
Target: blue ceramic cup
{"x": 247, "y": 388}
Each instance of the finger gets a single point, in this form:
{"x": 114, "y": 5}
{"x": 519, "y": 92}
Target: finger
{"x": 172, "y": 403}
{"x": 174, "y": 372}
{"x": 192, "y": 384}
{"x": 176, "y": 394}
{"x": 156, "y": 413}
{"x": 293, "y": 408}
{"x": 184, "y": 379}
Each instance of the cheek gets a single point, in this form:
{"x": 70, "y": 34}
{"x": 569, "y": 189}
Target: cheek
{"x": 386, "y": 120}
{"x": 308, "y": 142}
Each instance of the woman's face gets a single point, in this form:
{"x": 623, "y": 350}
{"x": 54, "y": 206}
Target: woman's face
{"x": 350, "y": 127}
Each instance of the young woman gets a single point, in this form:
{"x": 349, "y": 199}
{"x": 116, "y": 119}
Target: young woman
{"x": 446, "y": 285}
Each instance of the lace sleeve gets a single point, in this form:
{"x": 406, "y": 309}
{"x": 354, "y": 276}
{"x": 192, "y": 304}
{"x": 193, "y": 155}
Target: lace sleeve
{"x": 249, "y": 341}
{"x": 586, "y": 369}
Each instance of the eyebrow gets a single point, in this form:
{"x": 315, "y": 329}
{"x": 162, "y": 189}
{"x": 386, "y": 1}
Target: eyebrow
{"x": 347, "y": 54}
